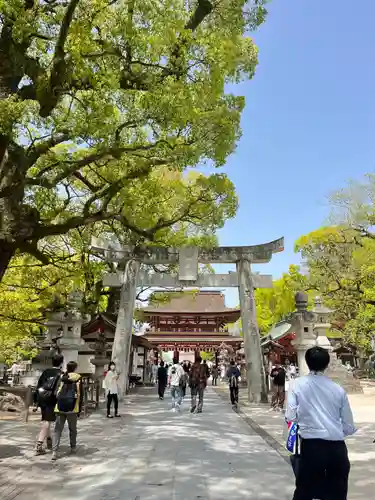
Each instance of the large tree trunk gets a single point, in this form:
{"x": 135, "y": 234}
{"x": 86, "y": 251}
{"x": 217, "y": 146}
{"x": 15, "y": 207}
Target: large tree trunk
{"x": 6, "y": 253}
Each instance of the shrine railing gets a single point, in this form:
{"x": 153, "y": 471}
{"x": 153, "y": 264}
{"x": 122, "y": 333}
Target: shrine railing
{"x": 92, "y": 392}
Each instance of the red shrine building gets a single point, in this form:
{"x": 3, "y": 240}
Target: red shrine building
{"x": 191, "y": 322}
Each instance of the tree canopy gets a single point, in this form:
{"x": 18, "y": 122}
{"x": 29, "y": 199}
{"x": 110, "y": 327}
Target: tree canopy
{"x": 95, "y": 95}
{"x": 273, "y": 304}
{"x": 340, "y": 259}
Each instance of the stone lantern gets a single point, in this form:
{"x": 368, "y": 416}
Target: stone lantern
{"x": 303, "y": 324}
{"x": 70, "y": 342}
{"x": 336, "y": 370}
{"x": 322, "y": 324}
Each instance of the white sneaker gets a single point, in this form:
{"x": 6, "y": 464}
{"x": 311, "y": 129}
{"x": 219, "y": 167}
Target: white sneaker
{"x": 174, "y": 410}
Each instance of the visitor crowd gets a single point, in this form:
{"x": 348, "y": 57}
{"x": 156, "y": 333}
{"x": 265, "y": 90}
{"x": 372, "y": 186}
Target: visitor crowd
{"x": 317, "y": 408}
{"x": 178, "y": 376}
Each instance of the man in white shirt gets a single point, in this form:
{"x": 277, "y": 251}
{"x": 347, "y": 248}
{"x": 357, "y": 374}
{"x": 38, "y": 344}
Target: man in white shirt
{"x": 176, "y": 372}
{"x": 321, "y": 409}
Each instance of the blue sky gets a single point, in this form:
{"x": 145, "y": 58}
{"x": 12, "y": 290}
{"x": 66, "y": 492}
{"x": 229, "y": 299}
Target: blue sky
{"x": 308, "y": 125}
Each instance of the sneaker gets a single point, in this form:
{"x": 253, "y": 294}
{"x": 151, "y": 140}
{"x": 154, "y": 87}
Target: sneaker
{"x": 118, "y": 416}
{"x": 192, "y": 409}
{"x": 109, "y": 416}
{"x": 73, "y": 450}
{"x": 54, "y": 456}
{"x": 174, "y": 410}
{"x": 39, "y": 450}
{"x": 49, "y": 443}
{"x": 199, "y": 411}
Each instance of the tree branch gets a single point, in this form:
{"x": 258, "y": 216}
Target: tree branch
{"x": 44, "y": 147}
{"x": 60, "y": 72}
{"x": 203, "y": 9}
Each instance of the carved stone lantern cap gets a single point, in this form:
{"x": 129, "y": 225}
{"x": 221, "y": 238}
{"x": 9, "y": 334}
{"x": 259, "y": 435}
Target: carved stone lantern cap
{"x": 320, "y": 308}
{"x": 301, "y": 299}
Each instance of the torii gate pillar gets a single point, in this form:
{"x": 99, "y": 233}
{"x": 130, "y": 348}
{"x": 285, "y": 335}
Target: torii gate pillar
{"x": 188, "y": 259}
{"x": 256, "y": 377}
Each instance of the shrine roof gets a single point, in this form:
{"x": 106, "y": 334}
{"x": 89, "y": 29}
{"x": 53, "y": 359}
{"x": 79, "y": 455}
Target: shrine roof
{"x": 186, "y": 338}
{"x": 106, "y": 318}
{"x": 212, "y": 302}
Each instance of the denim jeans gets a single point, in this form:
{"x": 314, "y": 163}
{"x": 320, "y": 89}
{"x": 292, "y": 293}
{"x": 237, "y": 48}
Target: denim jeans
{"x": 176, "y": 395}
{"x": 197, "y": 391}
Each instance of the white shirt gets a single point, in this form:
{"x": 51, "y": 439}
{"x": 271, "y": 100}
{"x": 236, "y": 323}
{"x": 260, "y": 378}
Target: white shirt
{"x": 110, "y": 382}
{"x": 321, "y": 408}
{"x": 175, "y": 377}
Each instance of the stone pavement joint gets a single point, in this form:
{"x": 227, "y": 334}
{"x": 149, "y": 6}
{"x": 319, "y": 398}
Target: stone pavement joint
{"x": 149, "y": 454}
{"x": 258, "y": 429}
{"x": 271, "y": 427}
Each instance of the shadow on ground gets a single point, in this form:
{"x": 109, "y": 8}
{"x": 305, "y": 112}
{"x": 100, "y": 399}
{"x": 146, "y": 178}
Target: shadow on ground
{"x": 271, "y": 426}
{"x": 150, "y": 454}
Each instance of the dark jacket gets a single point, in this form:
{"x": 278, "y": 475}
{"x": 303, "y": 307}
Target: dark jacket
{"x": 198, "y": 376}
{"x": 278, "y": 376}
{"x": 48, "y": 374}
{"x": 162, "y": 375}
{"x": 233, "y": 371}
{"x": 72, "y": 378}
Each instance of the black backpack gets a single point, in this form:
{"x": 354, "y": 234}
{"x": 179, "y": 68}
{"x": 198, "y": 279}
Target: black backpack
{"x": 67, "y": 396}
{"x": 233, "y": 381}
{"x": 47, "y": 391}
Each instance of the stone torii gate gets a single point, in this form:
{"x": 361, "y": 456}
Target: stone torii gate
{"x": 188, "y": 259}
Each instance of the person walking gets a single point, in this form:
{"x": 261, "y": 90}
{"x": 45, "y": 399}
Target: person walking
{"x": 174, "y": 381}
{"x": 46, "y": 401}
{"x": 207, "y": 369}
{"x": 215, "y": 374}
{"x": 110, "y": 385}
{"x": 233, "y": 374}
{"x": 162, "y": 379}
{"x": 321, "y": 409}
{"x": 278, "y": 377}
{"x": 197, "y": 383}
{"x": 155, "y": 372}
{"x": 184, "y": 380}
{"x": 68, "y": 407}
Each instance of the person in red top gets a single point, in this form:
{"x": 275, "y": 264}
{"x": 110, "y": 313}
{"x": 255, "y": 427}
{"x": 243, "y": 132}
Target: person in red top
{"x": 197, "y": 383}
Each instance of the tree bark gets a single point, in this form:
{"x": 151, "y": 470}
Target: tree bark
{"x": 6, "y": 253}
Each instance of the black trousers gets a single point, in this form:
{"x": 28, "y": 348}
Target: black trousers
{"x": 323, "y": 470}
{"x": 110, "y": 398}
{"x": 161, "y": 389}
{"x": 233, "y": 391}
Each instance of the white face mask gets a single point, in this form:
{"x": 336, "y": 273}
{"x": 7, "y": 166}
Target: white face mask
{"x": 112, "y": 368}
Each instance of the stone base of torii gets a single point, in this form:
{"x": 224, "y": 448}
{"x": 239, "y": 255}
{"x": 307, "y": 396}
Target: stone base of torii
{"x": 188, "y": 259}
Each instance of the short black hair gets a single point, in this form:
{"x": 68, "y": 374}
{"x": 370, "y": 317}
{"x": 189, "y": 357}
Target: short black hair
{"x": 161, "y": 363}
{"x": 175, "y": 361}
{"x": 317, "y": 359}
{"x": 71, "y": 367}
{"x": 198, "y": 359}
{"x": 57, "y": 360}
{"x": 232, "y": 361}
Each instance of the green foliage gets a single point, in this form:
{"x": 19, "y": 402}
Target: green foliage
{"x": 207, "y": 356}
{"x": 105, "y": 110}
{"x": 341, "y": 261}
{"x": 105, "y": 107}
{"x": 275, "y": 303}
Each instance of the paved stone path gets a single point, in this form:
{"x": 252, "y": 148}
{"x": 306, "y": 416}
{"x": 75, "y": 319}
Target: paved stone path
{"x": 149, "y": 454}
{"x": 271, "y": 425}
